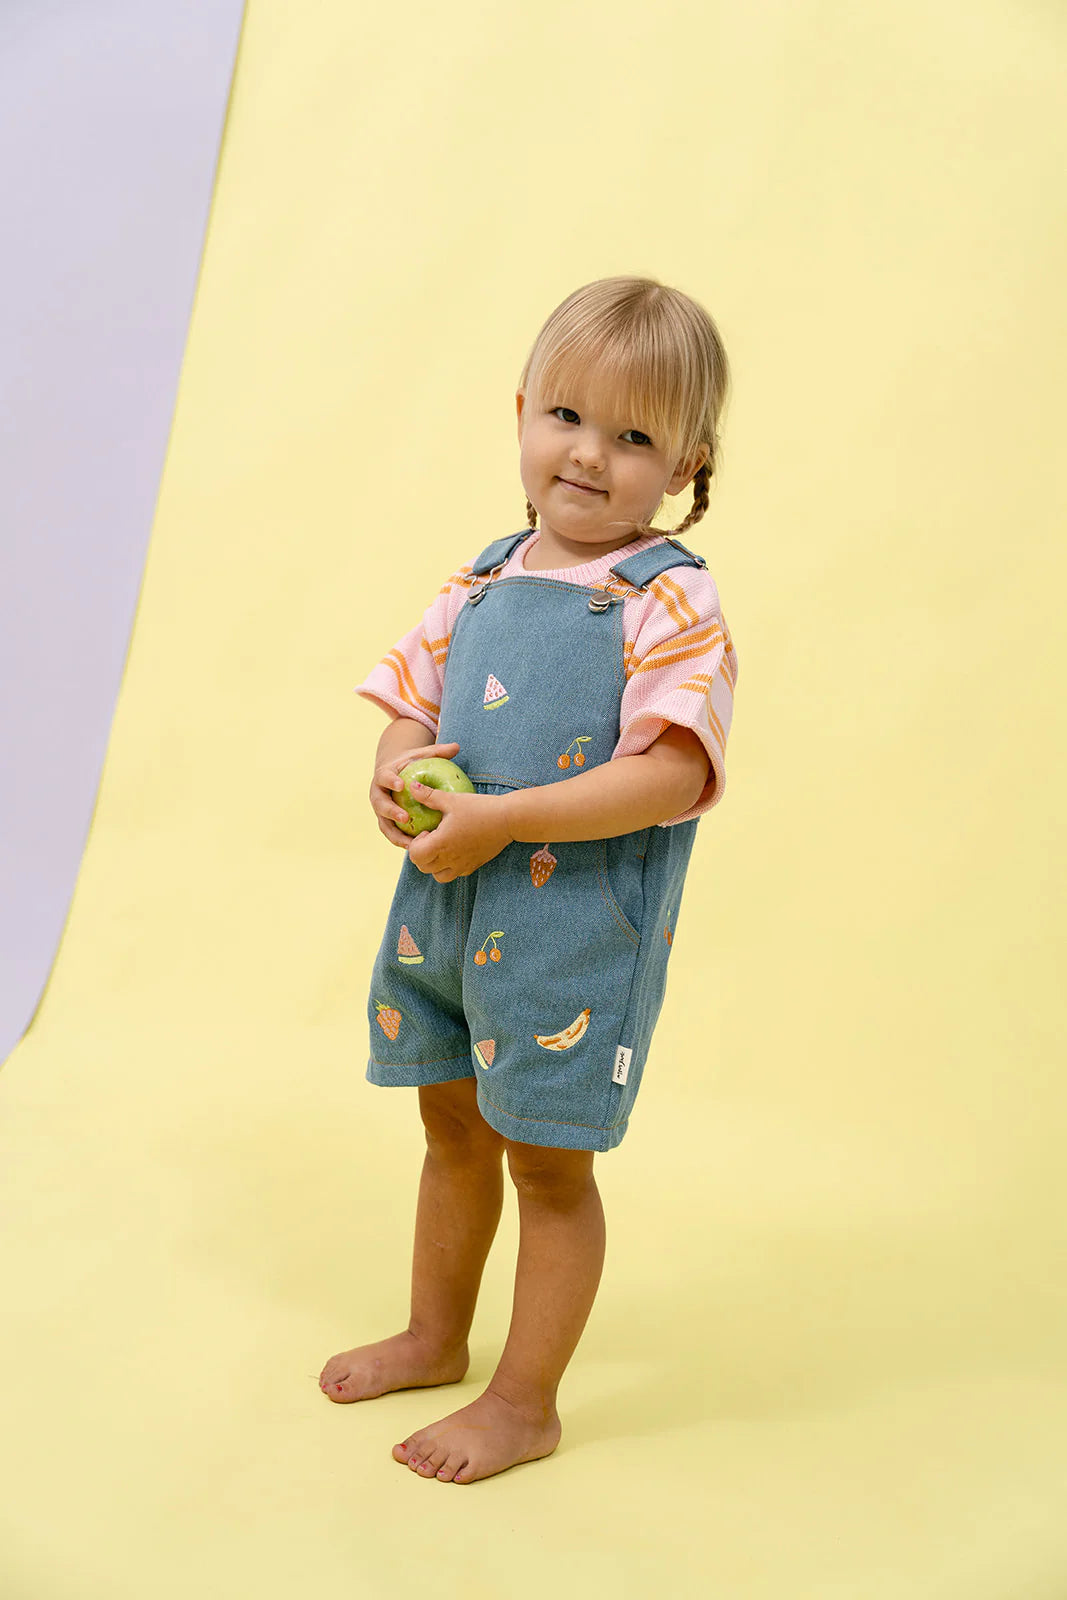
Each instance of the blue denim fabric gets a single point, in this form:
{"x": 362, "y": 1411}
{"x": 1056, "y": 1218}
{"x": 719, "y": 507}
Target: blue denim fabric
{"x": 532, "y": 973}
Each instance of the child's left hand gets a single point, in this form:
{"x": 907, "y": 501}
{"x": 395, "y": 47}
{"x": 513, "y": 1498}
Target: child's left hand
{"x": 472, "y": 831}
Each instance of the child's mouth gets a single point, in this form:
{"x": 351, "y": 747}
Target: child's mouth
{"x": 581, "y": 487}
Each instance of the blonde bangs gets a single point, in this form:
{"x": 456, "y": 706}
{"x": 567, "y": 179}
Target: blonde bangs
{"x": 647, "y": 350}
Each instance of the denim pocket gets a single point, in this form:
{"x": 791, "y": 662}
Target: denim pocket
{"x": 623, "y": 870}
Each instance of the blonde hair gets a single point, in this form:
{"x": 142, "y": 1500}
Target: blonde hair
{"x": 658, "y": 350}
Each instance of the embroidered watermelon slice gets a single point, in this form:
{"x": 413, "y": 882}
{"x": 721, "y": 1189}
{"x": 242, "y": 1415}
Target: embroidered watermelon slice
{"x": 495, "y": 693}
{"x": 407, "y": 950}
{"x": 484, "y": 1051}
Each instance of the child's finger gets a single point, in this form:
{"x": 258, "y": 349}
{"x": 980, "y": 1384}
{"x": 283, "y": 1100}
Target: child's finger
{"x": 384, "y": 804}
{"x": 436, "y": 799}
{"x": 430, "y": 750}
{"x": 393, "y": 833}
{"x": 447, "y": 751}
{"x": 388, "y": 776}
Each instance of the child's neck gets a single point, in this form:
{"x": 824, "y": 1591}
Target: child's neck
{"x": 552, "y": 552}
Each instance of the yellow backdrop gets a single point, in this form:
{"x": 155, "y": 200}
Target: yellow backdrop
{"x": 827, "y": 1357}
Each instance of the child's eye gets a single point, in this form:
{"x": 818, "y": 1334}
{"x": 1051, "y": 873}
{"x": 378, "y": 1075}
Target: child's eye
{"x": 569, "y": 416}
{"x": 641, "y": 438}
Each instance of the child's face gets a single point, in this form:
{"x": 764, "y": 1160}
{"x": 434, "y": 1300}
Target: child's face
{"x": 569, "y": 441}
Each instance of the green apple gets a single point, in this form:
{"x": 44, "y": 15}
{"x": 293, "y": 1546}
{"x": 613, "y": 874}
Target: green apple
{"x": 436, "y": 773}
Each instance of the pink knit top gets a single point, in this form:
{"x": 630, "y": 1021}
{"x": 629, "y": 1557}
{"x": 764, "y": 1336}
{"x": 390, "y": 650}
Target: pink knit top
{"x": 680, "y": 661}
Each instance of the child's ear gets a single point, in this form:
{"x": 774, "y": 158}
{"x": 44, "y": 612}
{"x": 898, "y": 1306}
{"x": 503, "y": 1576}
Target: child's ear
{"x": 687, "y": 470}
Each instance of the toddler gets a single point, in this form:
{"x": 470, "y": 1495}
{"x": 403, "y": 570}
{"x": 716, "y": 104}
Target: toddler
{"x": 581, "y": 673}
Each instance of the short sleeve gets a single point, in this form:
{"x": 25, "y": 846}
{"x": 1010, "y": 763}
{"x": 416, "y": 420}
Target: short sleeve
{"x": 409, "y": 680}
{"x": 681, "y": 667}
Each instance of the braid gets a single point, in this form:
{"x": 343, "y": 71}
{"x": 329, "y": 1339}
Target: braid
{"x": 700, "y": 498}
{"x": 531, "y": 513}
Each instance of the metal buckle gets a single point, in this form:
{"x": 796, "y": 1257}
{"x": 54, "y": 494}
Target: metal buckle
{"x": 478, "y": 589}
{"x": 600, "y": 603}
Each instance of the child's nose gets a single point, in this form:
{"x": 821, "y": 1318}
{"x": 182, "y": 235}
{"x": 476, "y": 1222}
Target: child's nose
{"x": 587, "y": 450}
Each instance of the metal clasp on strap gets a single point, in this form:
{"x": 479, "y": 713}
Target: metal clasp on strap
{"x": 478, "y": 589}
{"x": 600, "y": 602}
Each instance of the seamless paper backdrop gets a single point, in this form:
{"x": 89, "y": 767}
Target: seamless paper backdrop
{"x": 110, "y": 119}
{"x": 827, "y": 1356}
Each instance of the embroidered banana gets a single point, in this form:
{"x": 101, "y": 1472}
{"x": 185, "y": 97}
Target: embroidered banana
{"x": 569, "y": 1036}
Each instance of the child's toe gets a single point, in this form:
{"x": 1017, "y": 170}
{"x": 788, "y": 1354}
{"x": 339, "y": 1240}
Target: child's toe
{"x": 436, "y": 1458}
{"x": 341, "y": 1389}
{"x": 451, "y": 1467}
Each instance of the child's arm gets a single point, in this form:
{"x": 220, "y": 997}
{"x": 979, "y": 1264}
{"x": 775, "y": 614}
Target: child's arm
{"x": 619, "y": 796}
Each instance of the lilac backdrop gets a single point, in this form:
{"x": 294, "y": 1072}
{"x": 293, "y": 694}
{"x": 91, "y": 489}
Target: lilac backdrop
{"x": 111, "y": 115}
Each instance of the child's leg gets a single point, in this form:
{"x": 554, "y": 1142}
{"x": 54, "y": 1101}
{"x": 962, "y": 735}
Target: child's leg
{"x": 561, "y": 1256}
{"x": 460, "y": 1199}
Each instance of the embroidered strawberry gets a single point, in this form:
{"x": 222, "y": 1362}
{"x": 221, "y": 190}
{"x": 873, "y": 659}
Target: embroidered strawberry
{"x": 388, "y": 1019}
{"x": 542, "y": 866}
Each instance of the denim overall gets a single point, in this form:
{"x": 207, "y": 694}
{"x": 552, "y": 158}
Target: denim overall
{"x": 541, "y": 974}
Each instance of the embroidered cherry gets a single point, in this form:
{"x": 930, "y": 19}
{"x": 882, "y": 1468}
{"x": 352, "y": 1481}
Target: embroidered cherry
{"x": 480, "y": 956}
{"x": 564, "y": 760}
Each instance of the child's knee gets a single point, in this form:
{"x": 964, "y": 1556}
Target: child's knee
{"x": 453, "y": 1122}
{"x": 548, "y": 1173}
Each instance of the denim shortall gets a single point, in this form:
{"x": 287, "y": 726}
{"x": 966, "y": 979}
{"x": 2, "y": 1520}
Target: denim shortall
{"x": 541, "y": 975}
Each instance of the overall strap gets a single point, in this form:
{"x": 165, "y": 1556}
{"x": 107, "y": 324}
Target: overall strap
{"x": 495, "y": 554}
{"x": 639, "y": 570}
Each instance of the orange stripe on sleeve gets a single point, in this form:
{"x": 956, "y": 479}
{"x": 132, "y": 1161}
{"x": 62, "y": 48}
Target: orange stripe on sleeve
{"x": 681, "y": 649}
{"x": 437, "y": 648}
{"x": 688, "y": 612}
{"x": 666, "y": 599}
{"x": 702, "y": 684}
{"x": 408, "y": 689}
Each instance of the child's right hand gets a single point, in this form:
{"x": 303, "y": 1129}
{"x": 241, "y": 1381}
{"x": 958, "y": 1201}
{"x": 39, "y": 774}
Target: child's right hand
{"x": 386, "y": 781}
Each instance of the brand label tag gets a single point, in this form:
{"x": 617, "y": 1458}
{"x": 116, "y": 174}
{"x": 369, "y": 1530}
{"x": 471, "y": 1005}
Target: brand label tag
{"x": 622, "y": 1064}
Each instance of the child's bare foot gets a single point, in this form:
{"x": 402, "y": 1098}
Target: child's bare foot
{"x": 486, "y": 1437}
{"x": 402, "y": 1362}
